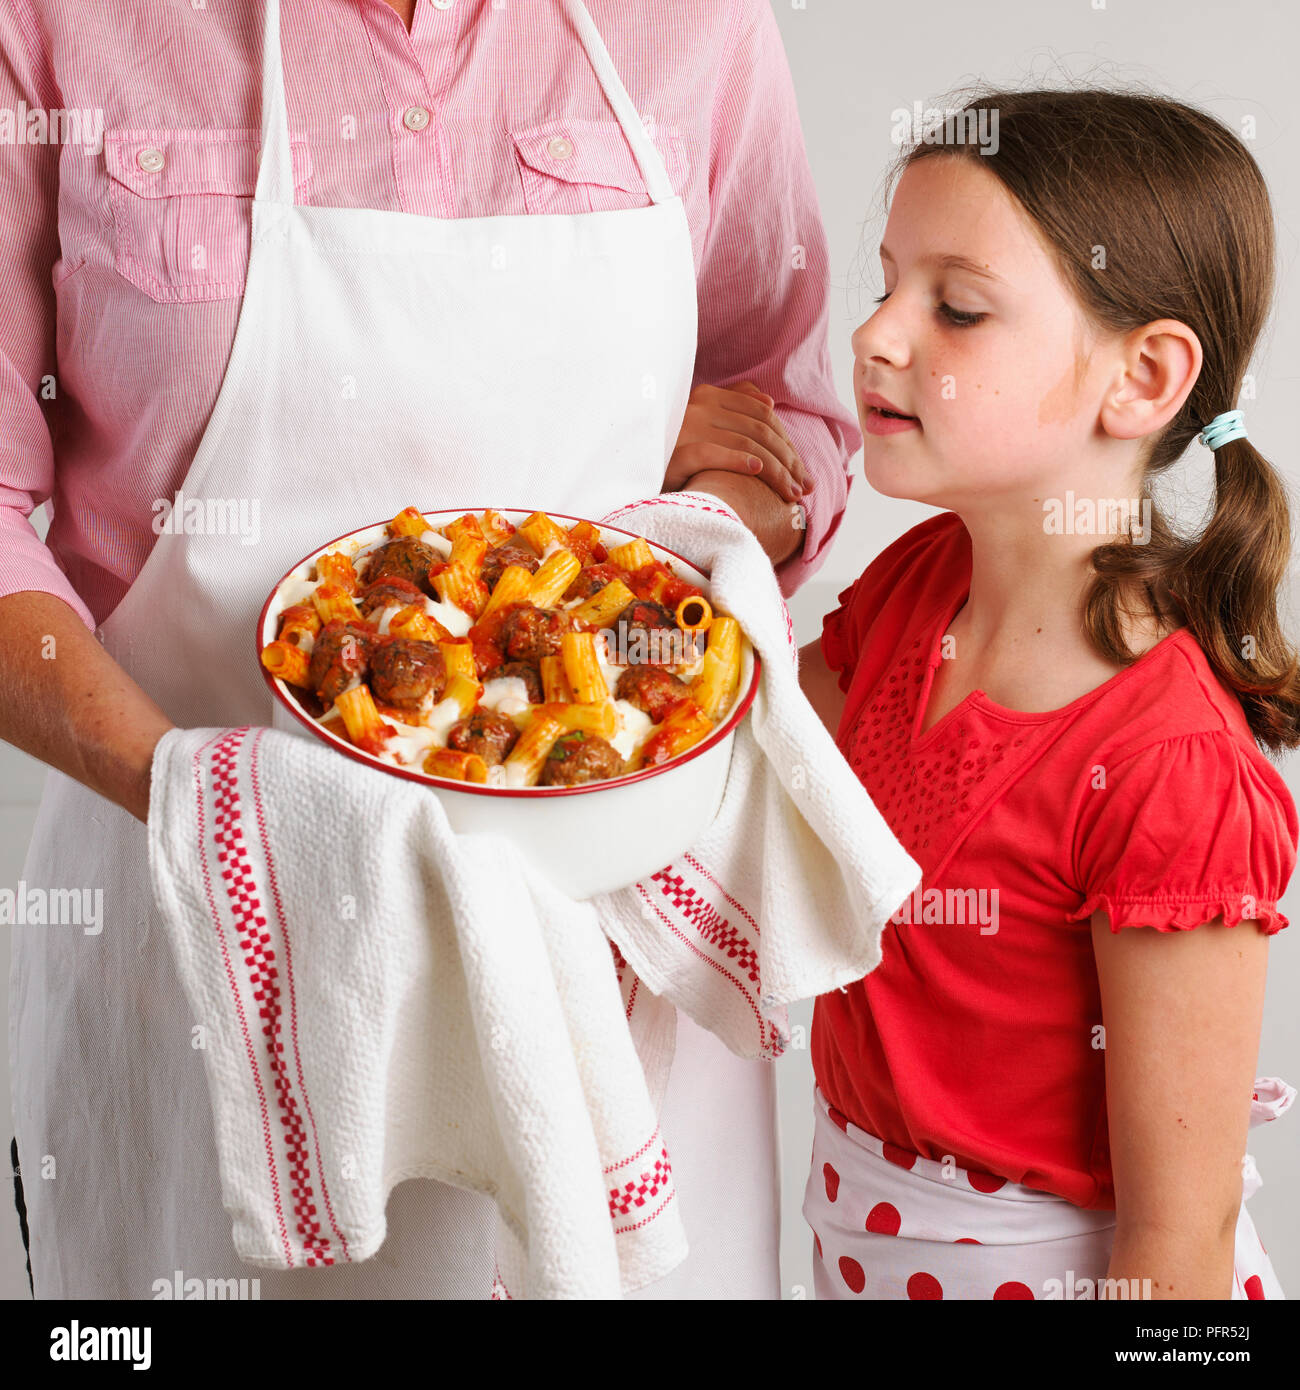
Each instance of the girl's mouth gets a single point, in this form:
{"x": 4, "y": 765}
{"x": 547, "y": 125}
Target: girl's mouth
{"x": 879, "y": 421}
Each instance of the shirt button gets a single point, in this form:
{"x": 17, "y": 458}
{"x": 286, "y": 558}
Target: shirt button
{"x": 150, "y": 160}
{"x": 559, "y": 148}
{"x": 416, "y": 118}
{"x": 443, "y": 4}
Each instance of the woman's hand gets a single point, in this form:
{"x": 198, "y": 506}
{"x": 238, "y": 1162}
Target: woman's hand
{"x": 64, "y": 700}
{"x": 736, "y": 429}
{"x": 1182, "y": 1013}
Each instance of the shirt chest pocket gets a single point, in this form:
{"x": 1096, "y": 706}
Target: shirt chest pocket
{"x": 181, "y": 205}
{"x": 570, "y": 166}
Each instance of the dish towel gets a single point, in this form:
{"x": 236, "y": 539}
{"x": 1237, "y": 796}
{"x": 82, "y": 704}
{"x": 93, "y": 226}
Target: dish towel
{"x": 383, "y": 999}
{"x": 788, "y": 892}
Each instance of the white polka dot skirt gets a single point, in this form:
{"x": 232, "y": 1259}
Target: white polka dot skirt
{"x": 888, "y": 1223}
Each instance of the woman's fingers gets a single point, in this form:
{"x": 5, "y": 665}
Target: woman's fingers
{"x": 762, "y": 434}
{"x": 757, "y": 406}
{"x": 696, "y": 457}
{"x": 775, "y": 472}
{"x": 736, "y": 454}
{"x": 727, "y": 426}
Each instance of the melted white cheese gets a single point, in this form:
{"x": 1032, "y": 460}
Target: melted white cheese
{"x": 634, "y": 727}
{"x": 506, "y": 695}
{"x": 454, "y": 619}
{"x": 439, "y": 543}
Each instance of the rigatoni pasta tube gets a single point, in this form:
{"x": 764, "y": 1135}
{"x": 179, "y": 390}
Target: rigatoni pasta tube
{"x": 467, "y": 524}
{"x": 337, "y": 568}
{"x": 298, "y": 622}
{"x": 287, "y": 662}
{"x": 467, "y": 551}
{"x": 555, "y": 684}
{"x": 715, "y": 686}
{"x": 361, "y": 718}
{"x": 680, "y": 730}
{"x": 462, "y": 588}
{"x": 334, "y": 601}
{"x": 495, "y": 527}
{"x": 553, "y": 578}
{"x": 464, "y": 691}
{"x": 605, "y": 604}
{"x": 581, "y": 665}
{"x": 415, "y": 623}
{"x": 458, "y": 657}
{"x": 514, "y": 586}
{"x": 536, "y": 741}
{"x": 601, "y": 719}
{"x": 408, "y": 522}
{"x": 462, "y": 767}
{"x": 540, "y": 531}
{"x": 632, "y": 556}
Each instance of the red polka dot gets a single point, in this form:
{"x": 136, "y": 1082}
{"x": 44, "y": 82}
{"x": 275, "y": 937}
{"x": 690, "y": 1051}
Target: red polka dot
{"x": 1012, "y": 1289}
{"x": 1255, "y": 1287}
{"x": 924, "y": 1286}
{"x": 851, "y": 1273}
{"x": 832, "y": 1182}
{"x": 904, "y": 1158}
{"x": 967, "y": 1240}
{"x": 884, "y": 1219}
{"x": 986, "y": 1182}
{"x": 839, "y": 1118}
{"x": 817, "y": 1241}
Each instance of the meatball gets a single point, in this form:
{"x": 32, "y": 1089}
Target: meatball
{"x": 529, "y": 633}
{"x": 341, "y": 651}
{"x": 592, "y": 580}
{"x": 405, "y": 558}
{"x": 647, "y": 633}
{"x": 405, "y": 673}
{"x": 385, "y": 593}
{"x": 579, "y": 757}
{"x": 511, "y": 552}
{"x": 526, "y": 672}
{"x": 489, "y": 735}
{"x": 651, "y": 689}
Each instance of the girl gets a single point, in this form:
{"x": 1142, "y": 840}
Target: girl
{"x": 1055, "y": 701}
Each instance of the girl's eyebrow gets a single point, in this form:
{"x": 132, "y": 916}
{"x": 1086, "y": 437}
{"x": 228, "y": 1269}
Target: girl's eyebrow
{"x": 951, "y": 262}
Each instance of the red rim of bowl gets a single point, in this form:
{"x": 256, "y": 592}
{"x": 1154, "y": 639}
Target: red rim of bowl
{"x": 472, "y": 788}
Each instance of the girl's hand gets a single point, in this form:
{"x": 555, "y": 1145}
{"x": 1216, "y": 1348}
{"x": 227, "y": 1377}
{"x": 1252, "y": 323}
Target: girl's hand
{"x": 1182, "y": 1013}
{"x": 821, "y": 686}
{"x": 736, "y": 428}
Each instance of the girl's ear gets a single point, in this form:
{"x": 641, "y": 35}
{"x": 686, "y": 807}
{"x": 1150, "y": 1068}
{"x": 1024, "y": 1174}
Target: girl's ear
{"x": 1157, "y": 368}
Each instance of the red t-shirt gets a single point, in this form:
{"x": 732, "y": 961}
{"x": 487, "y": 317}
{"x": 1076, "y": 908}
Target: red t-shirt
{"x": 978, "y": 1036}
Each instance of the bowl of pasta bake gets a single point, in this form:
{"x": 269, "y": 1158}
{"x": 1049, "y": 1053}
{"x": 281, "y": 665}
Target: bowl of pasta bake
{"x": 564, "y": 684}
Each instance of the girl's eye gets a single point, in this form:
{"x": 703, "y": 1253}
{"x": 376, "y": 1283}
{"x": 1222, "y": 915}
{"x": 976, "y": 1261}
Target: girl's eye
{"x": 959, "y": 317}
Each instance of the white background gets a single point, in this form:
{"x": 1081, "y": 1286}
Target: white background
{"x": 853, "y": 63}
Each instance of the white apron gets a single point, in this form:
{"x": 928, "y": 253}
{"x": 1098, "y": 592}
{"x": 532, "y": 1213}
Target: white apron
{"x": 381, "y": 359}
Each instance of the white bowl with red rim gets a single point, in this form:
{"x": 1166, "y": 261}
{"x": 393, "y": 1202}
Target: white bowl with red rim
{"x": 587, "y": 839}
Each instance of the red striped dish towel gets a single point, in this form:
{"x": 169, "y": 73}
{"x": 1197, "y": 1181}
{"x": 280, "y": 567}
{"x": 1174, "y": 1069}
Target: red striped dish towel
{"x": 788, "y": 892}
{"x": 384, "y": 1000}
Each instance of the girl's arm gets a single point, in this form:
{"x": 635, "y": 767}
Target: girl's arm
{"x": 1182, "y": 1013}
{"x": 821, "y": 685}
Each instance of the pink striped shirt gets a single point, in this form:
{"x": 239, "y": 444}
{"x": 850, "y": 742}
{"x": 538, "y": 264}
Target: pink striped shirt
{"x": 121, "y": 283}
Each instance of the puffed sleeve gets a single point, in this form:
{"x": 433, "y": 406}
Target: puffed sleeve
{"x": 1184, "y": 831}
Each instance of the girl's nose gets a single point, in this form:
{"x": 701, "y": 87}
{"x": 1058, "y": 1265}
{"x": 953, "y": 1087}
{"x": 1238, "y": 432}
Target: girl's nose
{"x": 880, "y": 339}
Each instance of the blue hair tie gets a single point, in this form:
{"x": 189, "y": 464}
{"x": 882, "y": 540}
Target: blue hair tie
{"x": 1223, "y": 429}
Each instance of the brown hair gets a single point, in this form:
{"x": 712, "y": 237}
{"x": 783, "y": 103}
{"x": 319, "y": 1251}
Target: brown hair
{"x": 1183, "y": 214}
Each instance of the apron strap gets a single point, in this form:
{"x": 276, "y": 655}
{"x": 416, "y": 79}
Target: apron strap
{"x": 647, "y": 153}
{"x": 275, "y": 165}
